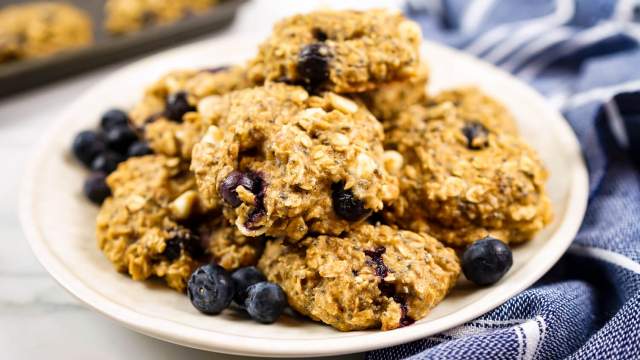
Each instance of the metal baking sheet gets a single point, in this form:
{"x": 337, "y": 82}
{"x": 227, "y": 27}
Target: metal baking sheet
{"x": 24, "y": 74}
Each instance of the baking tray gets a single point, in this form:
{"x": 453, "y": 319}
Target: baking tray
{"x": 24, "y": 74}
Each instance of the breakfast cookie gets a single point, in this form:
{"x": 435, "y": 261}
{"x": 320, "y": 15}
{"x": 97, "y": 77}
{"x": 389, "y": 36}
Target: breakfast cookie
{"x": 473, "y": 104}
{"x": 340, "y": 51}
{"x": 388, "y": 100}
{"x": 284, "y": 162}
{"x": 127, "y": 16}
{"x": 461, "y": 180}
{"x": 40, "y": 29}
{"x": 167, "y": 115}
{"x": 370, "y": 277}
{"x": 228, "y": 247}
{"x": 138, "y": 227}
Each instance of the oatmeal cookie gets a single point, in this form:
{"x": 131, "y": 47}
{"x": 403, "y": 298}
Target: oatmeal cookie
{"x": 340, "y": 51}
{"x": 388, "y": 100}
{"x": 371, "y": 277}
{"x": 138, "y": 227}
{"x": 284, "y": 162}
{"x": 227, "y": 247}
{"x": 473, "y": 104}
{"x": 461, "y": 180}
{"x": 127, "y": 16}
{"x": 167, "y": 115}
{"x": 41, "y": 29}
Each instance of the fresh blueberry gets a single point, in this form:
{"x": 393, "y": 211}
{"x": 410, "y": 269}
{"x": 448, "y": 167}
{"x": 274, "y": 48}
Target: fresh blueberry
{"x": 265, "y": 302}
{"x": 106, "y": 162}
{"x": 113, "y": 118}
{"x": 230, "y": 184}
{"x": 477, "y": 135}
{"x": 485, "y": 261}
{"x": 139, "y": 148}
{"x": 346, "y": 205}
{"x": 87, "y": 145}
{"x": 210, "y": 289}
{"x": 242, "y": 279}
{"x": 119, "y": 138}
{"x": 95, "y": 188}
{"x": 313, "y": 64}
{"x": 177, "y": 105}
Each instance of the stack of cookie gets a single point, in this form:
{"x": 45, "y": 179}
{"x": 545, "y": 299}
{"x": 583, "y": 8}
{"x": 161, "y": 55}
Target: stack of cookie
{"x": 324, "y": 162}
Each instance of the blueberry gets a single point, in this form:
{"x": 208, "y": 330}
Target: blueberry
{"x": 87, "y": 145}
{"x": 119, "y": 138}
{"x": 210, "y": 289}
{"x": 242, "y": 279}
{"x": 106, "y": 162}
{"x": 319, "y": 34}
{"x": 477, "y": 135}
{"x": 177, "y": 105}
{"x": 95, "y": 188}
{"x": 265, "y": 302}
{"x": 485, "y": 261}
{"x": 346, "y": 205}
{"x": 313, "y": 64}
{"x": 180, "y": 239}
{"x": 113, "y": 118}
{"x": 139, "y": 148}
{"x": 230, "y": 184}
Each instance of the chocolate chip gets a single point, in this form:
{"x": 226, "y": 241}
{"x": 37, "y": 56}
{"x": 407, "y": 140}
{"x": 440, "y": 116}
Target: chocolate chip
{"x": 477, "y": 135}
{"x": 346, "y": 205}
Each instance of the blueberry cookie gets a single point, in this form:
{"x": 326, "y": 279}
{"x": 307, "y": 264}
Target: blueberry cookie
{"x": 461, "y": 180}
{"x": 41, "y": 29}
{"x": 370, "y": 277}
{"x": 138, "y": 227}
{"x": 166, "y": 115}
{"x": 127, "y": 16}
{"x": 340, "y": 51}
{"x": 284, "y": 162}
{"x": 228, "y": 247}
{"x": 388, "y": 100}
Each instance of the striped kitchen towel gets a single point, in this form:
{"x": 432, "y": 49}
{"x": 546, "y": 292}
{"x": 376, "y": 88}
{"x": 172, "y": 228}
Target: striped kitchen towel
{"x": 584, "y": 55}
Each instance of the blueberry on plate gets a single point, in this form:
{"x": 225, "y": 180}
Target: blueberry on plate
{"x": 95, "y": 188}
{"x": 106, "y": 162}
{"x": 265, "y": 302}
{"x": 139, "y": 148}
{"x": 210, "y": 289}
{"x": 119, "y": 138}
{"x": 87, "y": 145}
{"x": 242, "y": 279}
{"x": 113, "y": 118}
{"x": 486, "y": 261}
{"x": 177, "y": 105}
{"x": 346, "y": 205}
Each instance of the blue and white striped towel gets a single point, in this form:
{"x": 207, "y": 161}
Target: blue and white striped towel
{"x": 584, "y": 55}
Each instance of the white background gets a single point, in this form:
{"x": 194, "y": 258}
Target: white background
{"x": 37, "y": 317}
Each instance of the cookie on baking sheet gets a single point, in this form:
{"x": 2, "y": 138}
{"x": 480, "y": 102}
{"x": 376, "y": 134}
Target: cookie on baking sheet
{"x": 127, "y": 16}
{"x": 42, "y": 28}
{"x": 370, "y": 277}
{"x": 283, "y": 162}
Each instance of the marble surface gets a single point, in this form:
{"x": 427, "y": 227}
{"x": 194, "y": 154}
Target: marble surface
{"x": 37, "y": 317}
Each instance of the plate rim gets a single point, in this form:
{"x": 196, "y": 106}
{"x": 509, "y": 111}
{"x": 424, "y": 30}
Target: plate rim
{"x": 170, "y": 331}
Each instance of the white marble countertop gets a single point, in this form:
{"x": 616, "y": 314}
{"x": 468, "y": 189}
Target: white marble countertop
{"x": 37, "y": 316}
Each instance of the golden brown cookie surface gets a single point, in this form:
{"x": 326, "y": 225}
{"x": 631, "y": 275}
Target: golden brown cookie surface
{"x": 284, "y": 162}
{"x": 372, "y": 277}
{"x": 42, "y": 28}
{"x": 340, "y": 51}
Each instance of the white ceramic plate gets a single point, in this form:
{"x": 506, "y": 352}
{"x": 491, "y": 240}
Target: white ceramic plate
{"x": 59, "y": 222}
